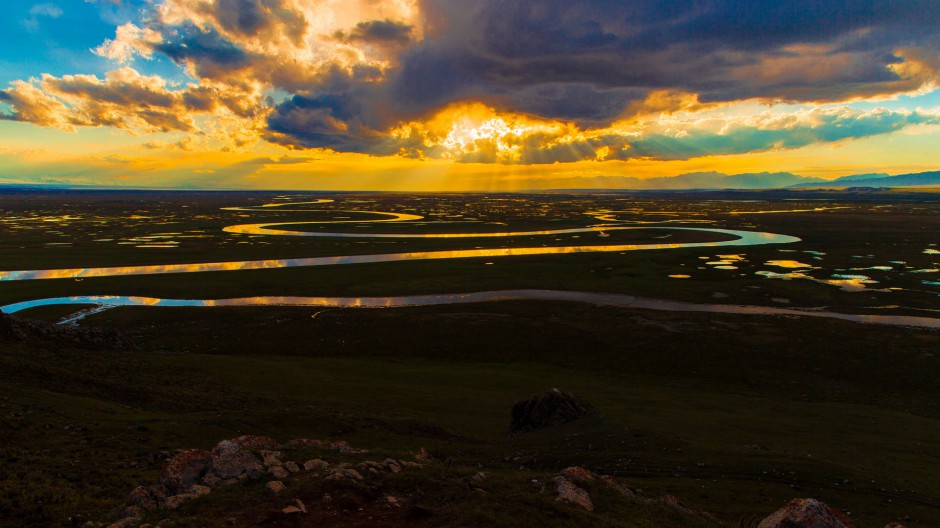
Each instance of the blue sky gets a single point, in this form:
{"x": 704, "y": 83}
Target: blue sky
{"x": 485, "y": 91}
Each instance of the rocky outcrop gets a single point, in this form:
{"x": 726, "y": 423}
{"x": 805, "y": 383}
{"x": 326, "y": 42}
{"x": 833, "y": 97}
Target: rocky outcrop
{"x": 192, "y": 473}
{"x": 569, "y": 492}
{"x": 577, "y": 474}
{"x": 184, "y": 471}
{"x": 552, "y": 409}
{"x": 807, "y": 513}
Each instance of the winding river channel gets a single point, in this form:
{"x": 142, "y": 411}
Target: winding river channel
{"x": 736, "y": 238}
{"x": 599, "y": 299}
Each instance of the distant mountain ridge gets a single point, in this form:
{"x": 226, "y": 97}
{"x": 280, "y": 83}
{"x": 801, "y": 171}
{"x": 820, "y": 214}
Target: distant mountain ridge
{"x": 879, "y": 180}
{"x": 748, "y": 181}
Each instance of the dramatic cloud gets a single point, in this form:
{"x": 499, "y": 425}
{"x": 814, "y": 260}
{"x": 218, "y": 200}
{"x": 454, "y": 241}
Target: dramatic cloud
{"x": 123, "y": 99}
{"x": 510, "y": 81}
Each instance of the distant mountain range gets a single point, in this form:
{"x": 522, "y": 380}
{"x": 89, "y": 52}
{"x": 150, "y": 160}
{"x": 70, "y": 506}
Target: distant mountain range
{"x": 879, "y": 180}
{"x": 757, "y": 180}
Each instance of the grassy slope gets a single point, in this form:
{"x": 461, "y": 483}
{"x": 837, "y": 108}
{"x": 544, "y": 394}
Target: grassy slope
{"x": 735, "y": 432}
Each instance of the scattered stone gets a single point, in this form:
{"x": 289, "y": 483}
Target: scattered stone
{"x": 422, "y": 454}
{"x": 615, "y": 485}
{"x": 807, "y": 513}
{"x": 552, "y": 409}
{"x": 176, "y": 501}
{"x": 292, "y": 509}
{"x": 200, "y": 490}
{"x": 147, "y": 497}
{"x": 292, "y": 467}
{"x": 307, "y": 442}
{"x": 895, "y": 525}
{"x": 185, "y": 470}
{"x": 279, "y": 472}
{"x": 128, "y": 522}
{"x": 412, "y": 465}
{"x": 344, "y": 473}
{"x": 569, "y": 492}
{"x": 578, "y": 474}
{"x": 275, "y": 486}
{"x": 315, "y": 464}
{"x": 480, "y": 477}
{"x": 299, "y": 503}
{"x": 393, "y": 501}
{"x": 271, "y": 458}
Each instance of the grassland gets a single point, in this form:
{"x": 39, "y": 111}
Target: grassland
{"x": 733, "y": 414}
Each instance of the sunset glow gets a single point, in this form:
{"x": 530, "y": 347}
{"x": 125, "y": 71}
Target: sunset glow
{"x": 428, "y": 95}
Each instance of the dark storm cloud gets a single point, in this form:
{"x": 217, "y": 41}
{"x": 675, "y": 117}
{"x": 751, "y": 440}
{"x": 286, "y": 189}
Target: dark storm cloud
{"x": 380, "y": 31}
{"x": 587, "y": 62}
{"x": 590, "y": 62}
{"x": 209, "y": 53}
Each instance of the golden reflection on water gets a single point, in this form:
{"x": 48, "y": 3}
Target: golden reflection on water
{"x": 600, "y": 299}
{"x": 789, "y": 264}
{"x": 742, "y": 238}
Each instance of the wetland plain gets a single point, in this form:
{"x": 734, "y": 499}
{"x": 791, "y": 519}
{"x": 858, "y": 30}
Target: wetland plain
{"x": 742, "y": 347}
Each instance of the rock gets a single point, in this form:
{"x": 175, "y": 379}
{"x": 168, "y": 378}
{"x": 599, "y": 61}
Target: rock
{"x": 128, "y": 522}
{"x": 316, "y": 463}
{"x": 308, "y": 442}
{"x": 344, "y": 473}
{"x": 257, "y": 443}
{"x": 299, "y": 503}
{"x": 422, "y": 454}
{"x": 184, "y": 470}
{"x": 230, "y": 459}
{"x": 569, "y": 492}
{"x": 275, "y": 486}
{"x": 552, "y": 409}
{"x": 279, "y": 472}
{"x": 200, "y": 490}
{"x": 148, "y": 497}
{"x": 578, "y": 474}
{"x": 615, "y": 485}
{"x": 211, "y": 480}
{"x": 292, "y": 467}
{"x": 895, "y": 525}
{"x": 176, "y": 501}
{"x": 292, "y": 509}
{"x": 807, "y": 513}
{"x": 271, "y": 458}
{"x": 480, "y": 477}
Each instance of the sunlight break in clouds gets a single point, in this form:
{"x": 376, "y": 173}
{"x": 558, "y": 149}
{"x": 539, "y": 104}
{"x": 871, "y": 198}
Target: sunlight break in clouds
{"x": 497, "y": 82}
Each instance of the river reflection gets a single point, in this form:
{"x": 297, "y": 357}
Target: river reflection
{"x": 600, "y": 299}
{"x": 741, "y": 238}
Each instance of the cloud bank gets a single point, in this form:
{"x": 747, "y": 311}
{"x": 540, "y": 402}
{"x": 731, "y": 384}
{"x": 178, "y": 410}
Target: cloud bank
{"x": 508, "y": 81}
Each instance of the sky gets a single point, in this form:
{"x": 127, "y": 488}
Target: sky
{"x": 441, "y": 95}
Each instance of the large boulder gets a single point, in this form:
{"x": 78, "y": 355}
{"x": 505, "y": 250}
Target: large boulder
{"x": 807, "y": 513}
{"x": 552, "y": 409}
{"x": 184, "y": 471}
{"x": 232, "y": 458}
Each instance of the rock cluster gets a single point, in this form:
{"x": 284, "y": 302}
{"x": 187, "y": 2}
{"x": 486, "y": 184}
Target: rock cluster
{"x": 552, "y": 409}
{"x": 194, "y": 472}
{"x": 807, "y": 513}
